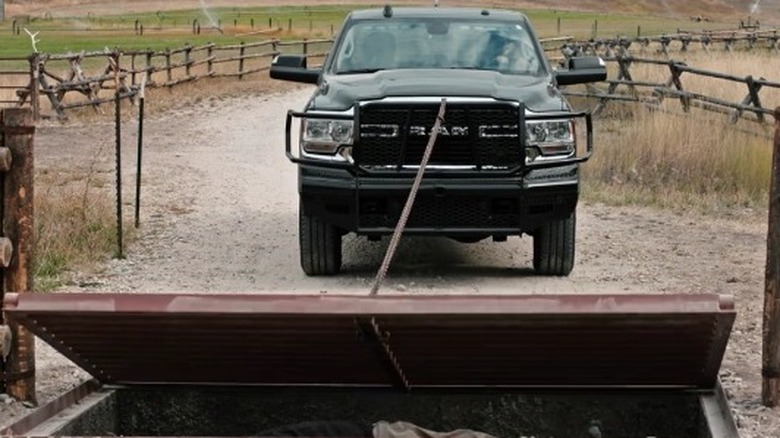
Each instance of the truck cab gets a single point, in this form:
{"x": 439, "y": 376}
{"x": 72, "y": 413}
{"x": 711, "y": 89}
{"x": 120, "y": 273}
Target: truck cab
{"x": 507, "y": 154}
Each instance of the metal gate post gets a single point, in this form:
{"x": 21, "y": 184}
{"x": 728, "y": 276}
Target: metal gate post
{"x": 18, "y": 127}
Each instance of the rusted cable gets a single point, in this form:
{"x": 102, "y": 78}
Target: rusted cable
{"x": 399, "y": 228}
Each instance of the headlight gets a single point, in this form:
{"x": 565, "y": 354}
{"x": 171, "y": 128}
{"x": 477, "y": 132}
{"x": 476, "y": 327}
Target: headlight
{"x": 325, "y": 136}
{"x": 551, "y": 137}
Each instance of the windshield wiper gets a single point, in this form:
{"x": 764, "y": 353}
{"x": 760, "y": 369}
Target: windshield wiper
{"x": 360, "y": 71}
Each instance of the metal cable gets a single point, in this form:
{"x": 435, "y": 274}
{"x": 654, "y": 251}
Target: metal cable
{"x": 399, "y": 228}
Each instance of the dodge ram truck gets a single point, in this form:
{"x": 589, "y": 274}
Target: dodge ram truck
{"x": 507, "y": 153}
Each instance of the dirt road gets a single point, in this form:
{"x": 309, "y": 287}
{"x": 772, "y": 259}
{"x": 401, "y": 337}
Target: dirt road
{"x": 220, "y": 214}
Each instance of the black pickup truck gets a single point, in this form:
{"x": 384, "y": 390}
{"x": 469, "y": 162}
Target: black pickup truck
{"x": 506, "y": 159}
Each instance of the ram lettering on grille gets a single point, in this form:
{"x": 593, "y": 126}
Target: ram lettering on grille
{"x": 472, "y": 135}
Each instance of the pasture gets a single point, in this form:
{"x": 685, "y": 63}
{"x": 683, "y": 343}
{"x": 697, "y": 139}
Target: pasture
{"x": 169, "y": 29}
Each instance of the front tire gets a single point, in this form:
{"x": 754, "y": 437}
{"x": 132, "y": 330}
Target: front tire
{"x": 320, "y": 245}
{"x": 554, "y": 247}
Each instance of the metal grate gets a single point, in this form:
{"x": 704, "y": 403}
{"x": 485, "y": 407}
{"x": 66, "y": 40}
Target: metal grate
{"x": 476, "y": 134}
{"x": 438, "y": 341}
{"x": 438, "y": 212}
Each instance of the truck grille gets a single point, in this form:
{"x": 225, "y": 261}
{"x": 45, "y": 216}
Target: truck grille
{"x": 436, "y": 212}
{"x": 471, "y": 135}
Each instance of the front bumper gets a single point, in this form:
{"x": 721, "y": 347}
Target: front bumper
{"x": 464, "y": 205}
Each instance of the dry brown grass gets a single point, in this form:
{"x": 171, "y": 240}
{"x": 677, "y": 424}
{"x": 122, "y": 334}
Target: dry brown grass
{"x": 75, "y": 224}
{"x": 695, "y": 160}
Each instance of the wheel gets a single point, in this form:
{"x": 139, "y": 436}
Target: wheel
{"x": 320, "y": 245}
{"x": 554, "y": 247}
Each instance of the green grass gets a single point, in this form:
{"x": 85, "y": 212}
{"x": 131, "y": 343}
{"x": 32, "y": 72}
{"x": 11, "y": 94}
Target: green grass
{"x": 172, "y": 29}
{"x": 583, "y": 25}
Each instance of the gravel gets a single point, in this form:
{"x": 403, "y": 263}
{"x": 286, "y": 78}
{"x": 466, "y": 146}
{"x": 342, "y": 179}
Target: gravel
{"x": 219, "y": 214}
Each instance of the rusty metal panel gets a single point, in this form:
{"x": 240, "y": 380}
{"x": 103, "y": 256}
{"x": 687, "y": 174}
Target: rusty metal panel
{"x": 437, "y": 341}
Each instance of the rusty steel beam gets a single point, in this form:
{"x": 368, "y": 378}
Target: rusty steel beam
{"x": 273, "y": 304}
{"x": 438, "y": 341}
{"x": 50, "y": 409}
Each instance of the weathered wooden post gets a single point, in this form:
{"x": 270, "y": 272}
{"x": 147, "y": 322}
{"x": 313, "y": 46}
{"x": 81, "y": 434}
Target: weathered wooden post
{"x": 241, "y": 55}
{"x": 18, "y": 127}
{"x": 210, "y": 58}
{"x": 35, "y": 70}
{"x": 188, "y": 59}
{"x": 770, "y": 370}
{"x": 168, "y": 71}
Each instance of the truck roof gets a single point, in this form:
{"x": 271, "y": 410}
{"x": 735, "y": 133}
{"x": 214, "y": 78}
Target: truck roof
{"x": 441, "y": 12}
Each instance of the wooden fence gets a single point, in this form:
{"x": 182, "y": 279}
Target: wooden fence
{"x": 653, "y": 93}
{"x": 729, "y": 41}
{"x": 62, "y": 81}
{"x": 58, "y": 83}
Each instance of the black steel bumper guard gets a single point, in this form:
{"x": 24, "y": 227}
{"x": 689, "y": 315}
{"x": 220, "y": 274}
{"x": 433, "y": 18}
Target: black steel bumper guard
{"x": 521, "y": 169}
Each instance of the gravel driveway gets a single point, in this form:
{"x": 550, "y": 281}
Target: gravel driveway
{"x": 220, "y": 214}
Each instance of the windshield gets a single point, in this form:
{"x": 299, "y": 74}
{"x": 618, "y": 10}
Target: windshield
{"x": 369, "y": 46}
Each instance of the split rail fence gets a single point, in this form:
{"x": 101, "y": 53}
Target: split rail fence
{"x": 53, "y": 84}
{"x": 62, "y": 81}
{"x": 625, "y": 88}
{"x": 729, "y": 41}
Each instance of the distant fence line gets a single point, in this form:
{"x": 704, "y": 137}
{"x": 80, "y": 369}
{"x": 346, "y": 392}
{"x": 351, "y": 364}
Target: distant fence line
{"x": 681, "y": 42}
{"x": 123, "y": 72}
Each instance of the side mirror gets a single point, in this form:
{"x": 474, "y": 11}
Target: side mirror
{"x": 293, "y": 68}
{"x": 582, "y": 70}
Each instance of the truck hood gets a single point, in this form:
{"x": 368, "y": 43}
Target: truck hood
{"x": 339, "y": 92}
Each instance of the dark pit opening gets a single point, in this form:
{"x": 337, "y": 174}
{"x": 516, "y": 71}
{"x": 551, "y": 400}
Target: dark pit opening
{"x": 223, "y": 411}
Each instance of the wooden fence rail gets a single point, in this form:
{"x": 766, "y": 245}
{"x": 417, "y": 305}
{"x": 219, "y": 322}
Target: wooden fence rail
{"x": 62, "y": 81}
{"x": 682, "y": 42}
{"x": 625, "y": 88}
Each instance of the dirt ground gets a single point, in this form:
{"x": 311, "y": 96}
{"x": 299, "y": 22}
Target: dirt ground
{"x": 219, "y": 214}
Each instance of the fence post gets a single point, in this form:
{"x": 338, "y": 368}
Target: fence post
{"x": 210, "y": 57}
{"x": 770, "y": 369}
{"x": 289, "y": 24}
{"x": 675, "y": 79}
{"x": 241, "y": 50}
{"x": 149, "y": 66}
{"x": 18, "y": 226}
{"x": 35, "y": 61}
{"x": 559, "y": 26}
{"x": 132, "y": 68}
{"x": 305, "y": 47}
{"x": 188, "y": 59}
{"x": 168, "y": 72}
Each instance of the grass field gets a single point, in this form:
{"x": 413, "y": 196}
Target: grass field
{"x": 171, "y": 29}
